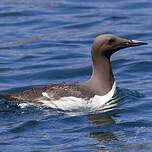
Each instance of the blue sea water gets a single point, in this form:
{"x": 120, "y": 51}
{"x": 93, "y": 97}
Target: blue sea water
{"x": 44, "y": 42}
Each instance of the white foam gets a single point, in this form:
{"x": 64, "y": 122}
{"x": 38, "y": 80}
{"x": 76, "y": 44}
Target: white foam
{"x": 23, "y": 105}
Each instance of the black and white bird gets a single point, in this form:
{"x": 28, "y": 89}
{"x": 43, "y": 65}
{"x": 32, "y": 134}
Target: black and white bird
{"x": 92, "y": 94}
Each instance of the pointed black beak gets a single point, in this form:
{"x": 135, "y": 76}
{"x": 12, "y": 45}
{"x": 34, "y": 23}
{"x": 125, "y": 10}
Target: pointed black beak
{"x": 124, "y": 43}
{"x": 132, "y": 43}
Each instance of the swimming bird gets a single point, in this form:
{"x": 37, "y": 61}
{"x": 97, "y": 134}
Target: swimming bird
{"x": 94, "y": 93}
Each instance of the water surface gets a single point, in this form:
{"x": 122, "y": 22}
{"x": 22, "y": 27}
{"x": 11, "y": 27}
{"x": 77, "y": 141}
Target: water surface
{"x": 45, "y": 42}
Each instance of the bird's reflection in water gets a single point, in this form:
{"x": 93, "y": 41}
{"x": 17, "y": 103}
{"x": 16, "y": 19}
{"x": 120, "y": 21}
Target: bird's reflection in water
{"x": 100, "y": 123}
{"x": 104, "y": 137}
{"x": 100, "y": 120}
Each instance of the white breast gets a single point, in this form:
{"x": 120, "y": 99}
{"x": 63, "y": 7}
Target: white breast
{"x": 78, "y": 104}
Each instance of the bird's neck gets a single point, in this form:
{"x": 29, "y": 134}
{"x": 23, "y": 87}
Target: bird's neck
{"x": 102, "y": 78}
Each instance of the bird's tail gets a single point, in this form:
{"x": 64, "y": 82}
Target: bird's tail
{"x": 7, "y": 97}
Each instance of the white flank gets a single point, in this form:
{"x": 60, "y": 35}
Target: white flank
{"x": 78, "y": 104}
{"x": 45, "y": 95}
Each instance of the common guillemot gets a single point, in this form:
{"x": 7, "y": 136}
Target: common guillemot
{"x": 92, "y": 94}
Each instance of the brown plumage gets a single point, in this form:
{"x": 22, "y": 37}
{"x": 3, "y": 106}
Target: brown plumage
{"x": 100, "y": 83}
{"x": 55, "y": 91}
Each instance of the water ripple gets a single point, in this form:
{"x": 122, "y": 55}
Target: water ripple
{"x": 45, "y": 42}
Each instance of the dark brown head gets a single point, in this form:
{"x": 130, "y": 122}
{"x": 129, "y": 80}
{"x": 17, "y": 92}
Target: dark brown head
{"x": 106, "y": 45}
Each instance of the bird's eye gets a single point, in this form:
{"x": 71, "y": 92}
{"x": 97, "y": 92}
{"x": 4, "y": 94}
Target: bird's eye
{"x": 110, "y": 41}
